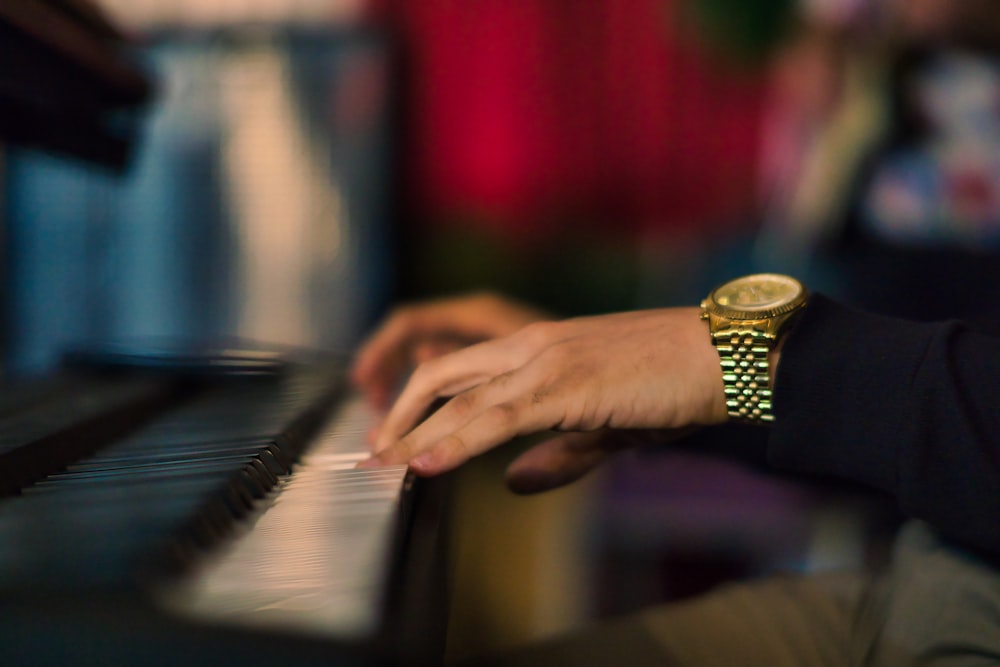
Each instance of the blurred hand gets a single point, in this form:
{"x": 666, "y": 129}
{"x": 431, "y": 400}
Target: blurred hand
{"x": 417, "y": 333}
{"x": 652, "y": 369}
{"x": 566, "y": 457}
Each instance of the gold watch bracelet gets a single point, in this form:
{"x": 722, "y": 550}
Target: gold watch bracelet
{"x": 744, "y": 355}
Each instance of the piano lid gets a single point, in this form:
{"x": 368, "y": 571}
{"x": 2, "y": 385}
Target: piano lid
{"x": 65, "y": 71}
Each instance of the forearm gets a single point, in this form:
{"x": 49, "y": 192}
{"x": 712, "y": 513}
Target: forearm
{"x": 904, "y": 407}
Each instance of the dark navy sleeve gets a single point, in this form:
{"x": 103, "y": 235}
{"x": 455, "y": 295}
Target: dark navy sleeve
{"x": 912, "y": 409}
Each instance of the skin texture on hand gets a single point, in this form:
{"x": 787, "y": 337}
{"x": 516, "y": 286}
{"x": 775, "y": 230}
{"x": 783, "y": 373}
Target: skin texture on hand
{"x": 417, "y": 333}
{"x": 589, "y": 377}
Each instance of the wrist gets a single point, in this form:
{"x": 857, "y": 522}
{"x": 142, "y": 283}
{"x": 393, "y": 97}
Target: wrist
{"x": 712, "y": 399}
{"x": 748, "y": 319}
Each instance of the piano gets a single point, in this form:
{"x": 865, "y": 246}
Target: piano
{"x": 190, "y": 505}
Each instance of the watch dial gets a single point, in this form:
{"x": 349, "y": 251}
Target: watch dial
{"x": 760, "y": 292}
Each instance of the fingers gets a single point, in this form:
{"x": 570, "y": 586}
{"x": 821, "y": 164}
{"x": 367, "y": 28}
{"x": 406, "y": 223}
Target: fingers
{"x": 424, "y": 351}
{"x": 452, "y": 374}
{"x": 424, "y": 331}
{"x": 381, "y": 383}
{"x": 498, "y": 395}
{"x": 435, "y": 379}
{"x": 641, "y": 370}
{"x": 470, "y": 424}
{"x": 408, "y": 334}
{"x": 380, "y": 361}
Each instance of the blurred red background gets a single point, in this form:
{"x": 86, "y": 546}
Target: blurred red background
{"x": 533, "y": 117}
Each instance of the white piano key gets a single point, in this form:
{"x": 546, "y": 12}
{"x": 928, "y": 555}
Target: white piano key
{"x": 315, "y": 557}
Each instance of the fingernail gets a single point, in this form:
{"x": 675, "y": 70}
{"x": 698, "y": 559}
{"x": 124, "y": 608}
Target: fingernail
{"x": 371, "y": 462}
{"x": 424, "y": 462}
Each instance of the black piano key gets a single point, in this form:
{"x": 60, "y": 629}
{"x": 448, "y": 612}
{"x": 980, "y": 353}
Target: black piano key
{"x": 68, "y": 421}
{"x": 266, "y": 450}
{"x": 240, "y": 487}
{"x": 74, "y": 531}
{"x": 152, "y": 470}
{"x": 157, "y": 498}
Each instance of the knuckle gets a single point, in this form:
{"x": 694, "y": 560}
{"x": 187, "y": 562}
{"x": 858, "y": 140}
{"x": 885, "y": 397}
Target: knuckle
{"x": 401, "y": 452}
{"x": 503, "y": 379}
{"x": 503, "y": 416}
{"x": 462, "y": 404}
{"x": 561, "y": 355}
{"x": 562, "y": 366}
{"x": 539, "y": 333}
{"x": 430, "y": 377}
{"x": 455, "y": 448}
{"x": 423, "y": 372}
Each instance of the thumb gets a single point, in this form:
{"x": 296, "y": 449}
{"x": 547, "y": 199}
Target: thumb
{"x": 556, "y": 462}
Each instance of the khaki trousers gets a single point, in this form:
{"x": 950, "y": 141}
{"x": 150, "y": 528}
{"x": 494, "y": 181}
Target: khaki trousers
{"x": 936, "y": 606}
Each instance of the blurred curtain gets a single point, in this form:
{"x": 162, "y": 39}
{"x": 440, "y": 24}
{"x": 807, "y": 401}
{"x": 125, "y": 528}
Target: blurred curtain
{"x": 537, "y": 116}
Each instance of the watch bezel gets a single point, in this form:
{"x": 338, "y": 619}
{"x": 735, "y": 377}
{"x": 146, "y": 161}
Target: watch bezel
{"x": 795, "y": 301}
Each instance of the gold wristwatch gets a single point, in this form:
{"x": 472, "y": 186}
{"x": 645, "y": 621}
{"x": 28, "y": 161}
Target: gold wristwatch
{"x": 745, "y": 317}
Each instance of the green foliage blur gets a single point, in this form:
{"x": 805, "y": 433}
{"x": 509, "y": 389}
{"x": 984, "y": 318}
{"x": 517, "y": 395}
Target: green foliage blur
{"x": 742, "y": 31}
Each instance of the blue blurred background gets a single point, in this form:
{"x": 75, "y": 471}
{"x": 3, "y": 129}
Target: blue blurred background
{"x": 255, "y": 205}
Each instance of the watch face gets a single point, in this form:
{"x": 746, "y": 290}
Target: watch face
{"x": 759, "y": 293}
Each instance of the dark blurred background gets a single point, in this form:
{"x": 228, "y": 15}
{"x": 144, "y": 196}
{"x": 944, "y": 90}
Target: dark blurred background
{"x": 304, "y": 164}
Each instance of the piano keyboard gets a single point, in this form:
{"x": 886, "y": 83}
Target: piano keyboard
{"x": 317, "y": 551}
{"x": 233, "y": 507}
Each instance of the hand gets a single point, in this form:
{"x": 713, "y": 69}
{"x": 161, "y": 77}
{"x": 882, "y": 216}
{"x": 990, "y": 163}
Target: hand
{"x": 566, "y": 457}
{"x": 652, "y": 369}
{"x": 417, "y": 333}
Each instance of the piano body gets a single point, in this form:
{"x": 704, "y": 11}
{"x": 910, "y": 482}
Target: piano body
{"x": 168, "y": 503}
